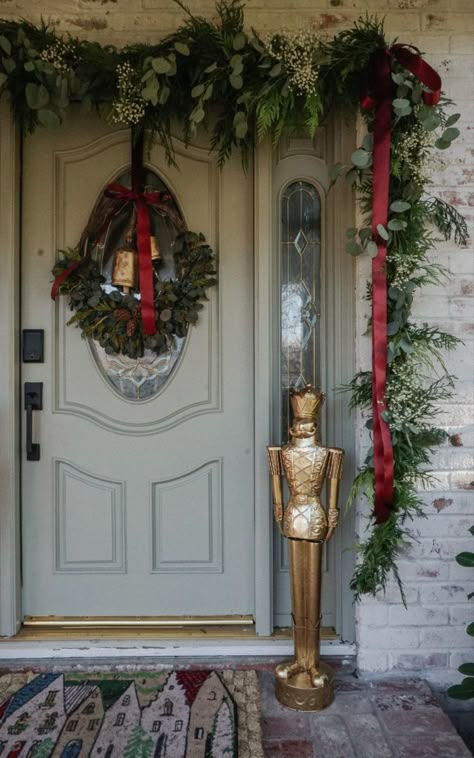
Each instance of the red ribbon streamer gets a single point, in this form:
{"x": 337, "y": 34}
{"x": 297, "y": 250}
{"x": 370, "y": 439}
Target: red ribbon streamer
{"x": 380, "y": 98}
{"x": 145, "y": 269}
{"x": 62, "y": 278}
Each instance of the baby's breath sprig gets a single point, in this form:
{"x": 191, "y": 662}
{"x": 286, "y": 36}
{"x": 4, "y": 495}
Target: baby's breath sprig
{"x": 60, "y": 55}
{"x": 297, "y": 51}
{"x": 129, "y": 106}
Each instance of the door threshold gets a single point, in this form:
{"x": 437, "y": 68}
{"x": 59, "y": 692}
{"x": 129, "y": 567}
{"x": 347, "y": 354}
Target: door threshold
{"x": 56, "y": 628}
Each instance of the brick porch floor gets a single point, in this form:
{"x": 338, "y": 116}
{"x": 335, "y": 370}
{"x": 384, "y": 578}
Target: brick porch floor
{"x": 393, "y": 718}
{"x": 369, "y": 718}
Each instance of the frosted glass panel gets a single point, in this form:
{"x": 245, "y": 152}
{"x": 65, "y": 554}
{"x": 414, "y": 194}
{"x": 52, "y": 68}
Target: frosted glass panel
{"x": 300, "y": 291}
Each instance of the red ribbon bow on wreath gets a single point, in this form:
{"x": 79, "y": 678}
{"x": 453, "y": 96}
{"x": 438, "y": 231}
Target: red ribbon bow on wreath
{"x": 380, "y": 98}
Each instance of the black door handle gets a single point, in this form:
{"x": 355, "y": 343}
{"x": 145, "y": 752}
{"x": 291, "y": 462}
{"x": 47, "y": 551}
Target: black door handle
{"x": 33, "y": 402}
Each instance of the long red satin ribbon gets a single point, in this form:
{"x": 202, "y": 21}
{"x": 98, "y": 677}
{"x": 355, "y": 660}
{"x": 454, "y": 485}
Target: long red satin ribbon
{"x": 145, "y": 269}
{"x": 380, "y": 98}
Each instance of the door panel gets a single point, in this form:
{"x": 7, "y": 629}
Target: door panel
{"x": 138, "y": 507}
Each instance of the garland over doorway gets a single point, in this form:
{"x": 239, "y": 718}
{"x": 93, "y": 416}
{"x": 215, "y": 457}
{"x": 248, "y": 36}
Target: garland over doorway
{"x": 248, "y": 86}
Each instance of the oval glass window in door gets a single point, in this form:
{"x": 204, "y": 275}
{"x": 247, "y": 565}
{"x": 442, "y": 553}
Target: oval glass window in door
{"x": 137, "y": 379}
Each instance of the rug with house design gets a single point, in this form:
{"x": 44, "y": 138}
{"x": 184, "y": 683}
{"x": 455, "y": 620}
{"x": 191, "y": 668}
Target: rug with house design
{"x": 164, "y": 714}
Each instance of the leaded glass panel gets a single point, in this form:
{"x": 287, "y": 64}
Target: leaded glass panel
{"x": 300, "y": 292}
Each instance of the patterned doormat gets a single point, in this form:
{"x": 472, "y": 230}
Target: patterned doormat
{"x": 149, "y": 714}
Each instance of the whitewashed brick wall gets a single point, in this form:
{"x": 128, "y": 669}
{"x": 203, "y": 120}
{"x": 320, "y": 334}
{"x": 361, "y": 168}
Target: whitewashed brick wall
{"x": 429, "y": 636}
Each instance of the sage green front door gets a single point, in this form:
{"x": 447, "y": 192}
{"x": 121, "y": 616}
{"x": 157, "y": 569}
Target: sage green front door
{"x": 138, "y": 505}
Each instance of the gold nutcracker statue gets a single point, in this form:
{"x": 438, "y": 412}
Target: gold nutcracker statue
{"x": 305, "y": 683}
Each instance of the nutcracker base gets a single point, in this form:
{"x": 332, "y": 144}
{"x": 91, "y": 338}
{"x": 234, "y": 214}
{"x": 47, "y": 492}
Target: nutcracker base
{"x": 298, "y": 693}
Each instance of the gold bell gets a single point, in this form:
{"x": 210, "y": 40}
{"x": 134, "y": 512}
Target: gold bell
{"x": 155, "y": 250}
{"x": 124, "y": 269}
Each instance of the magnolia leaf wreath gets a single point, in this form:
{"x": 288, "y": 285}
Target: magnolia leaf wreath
{"x": 246, "y": 86}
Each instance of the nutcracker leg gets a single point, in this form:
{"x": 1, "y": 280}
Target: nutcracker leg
{"x": 297, "y": 573}
{"x": 313, "y": 599}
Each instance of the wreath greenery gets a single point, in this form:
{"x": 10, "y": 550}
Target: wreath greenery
{"x": 114, "y": 319}
{"x": 252, "y": 86}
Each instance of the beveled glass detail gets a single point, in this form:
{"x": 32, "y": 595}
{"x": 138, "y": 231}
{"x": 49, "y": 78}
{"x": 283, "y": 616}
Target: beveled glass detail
{"x": 137, "y": 378}
{"x": 300, "y": 292}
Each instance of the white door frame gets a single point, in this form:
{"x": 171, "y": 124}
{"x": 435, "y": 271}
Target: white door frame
{"x": 10, "y": 390}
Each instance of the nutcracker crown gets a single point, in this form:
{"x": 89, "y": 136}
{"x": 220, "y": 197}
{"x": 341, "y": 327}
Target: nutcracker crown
{"x": 306, "y": 402}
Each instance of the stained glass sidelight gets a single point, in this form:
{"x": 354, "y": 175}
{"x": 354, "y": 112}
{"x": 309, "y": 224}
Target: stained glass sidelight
{"x": 138, "y": 378}
{"x": 300, "y": 291}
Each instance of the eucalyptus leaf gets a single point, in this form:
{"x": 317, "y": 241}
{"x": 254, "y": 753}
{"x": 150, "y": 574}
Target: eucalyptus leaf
{"x": 197, "y": 90}
{"x": 236, "y": 81}
{"x": 207, "y": 94}
{"x": 400, "y": 206}
{"x": 241, "y": 129}
{"x": 386, "y": 416}
{"x": 406, "y": 346}
{"x": 29, "y": 66}
{"x": 401, "y": 104}
{"x": 450, "y": 134}
{"x": 351, "y": 177}
{"x": 429, "y": 117}
{"x": 240, "y": 117}
{"x": 383, "y": 232}
{"x": 197, "y": 115}
{"x": 9, "y": 65}
{"x": 276, "y": 70}
{"x": 453, "y": 119}
{"x": 353, "y": 248}
{"x": 368, "y": 142}
{"x": 361, "y": 158}
{"x": 3, "y": 78}
{"x": 210, "y": 68}
{"x": 239, "y": 41}
{"x": 351, "y": 233}
{"x": 236, "y": 60}
{"x": 161, "y": 65}
{"x": 396, "y": 224}
{"x": 365, "y": 233}
{"x": 48, "y": 118}
{"x": 392, "y": 328}
{"x": 147, "y": 75}
{"x": 398, "y": 77}
{"x": 5, "y": 44}
{"x": 37, "y": 96}
{"x": 182, "y": 48}
{"x": 442, "y": 144}
{"x": 372, "y": 248}
{"x": 150, "y": 92}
